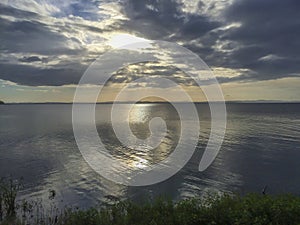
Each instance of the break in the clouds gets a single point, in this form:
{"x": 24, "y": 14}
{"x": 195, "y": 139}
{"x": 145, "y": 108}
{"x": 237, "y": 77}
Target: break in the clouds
{"x": 51, "y": 43}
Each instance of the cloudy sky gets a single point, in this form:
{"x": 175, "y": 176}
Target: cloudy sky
{"x": 252, "y": 46}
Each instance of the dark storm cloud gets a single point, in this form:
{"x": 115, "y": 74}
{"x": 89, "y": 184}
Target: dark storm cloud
{"x": 34, "y": 76}
{"x": 29, "y": 37}
{"x": 267, "y": 42}
{"x": 205, "y": 48}
{"x": 268, "y": 37}
{"x": 32, "y": 36}
{"x": 160, "y": 19}
{"x": 154, "y": 19}
{"x": 30, "y": 59}
{"x": 197, "y": 25}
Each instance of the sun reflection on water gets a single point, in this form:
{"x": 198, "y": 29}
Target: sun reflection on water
{"x": 144, "y": 156}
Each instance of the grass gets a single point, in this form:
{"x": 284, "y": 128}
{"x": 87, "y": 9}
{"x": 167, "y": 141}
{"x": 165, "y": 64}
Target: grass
{"x": 8, "y": 193}
{"x": 252, "y": 209}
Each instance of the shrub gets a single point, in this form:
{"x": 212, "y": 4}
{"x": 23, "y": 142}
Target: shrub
{"x": 213, "y": 209}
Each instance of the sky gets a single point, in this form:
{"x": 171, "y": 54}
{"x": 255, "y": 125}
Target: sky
{"x": 252, "y": 46}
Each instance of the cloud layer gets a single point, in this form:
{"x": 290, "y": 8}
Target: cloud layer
{"x": 51, "y": 43}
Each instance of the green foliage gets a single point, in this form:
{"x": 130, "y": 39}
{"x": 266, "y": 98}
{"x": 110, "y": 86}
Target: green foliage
{"x": 225, "y": 209}
{"x": 213, "y": 210}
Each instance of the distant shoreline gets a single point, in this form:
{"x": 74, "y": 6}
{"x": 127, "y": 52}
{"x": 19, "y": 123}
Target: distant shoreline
{"x": 109, "y": 103}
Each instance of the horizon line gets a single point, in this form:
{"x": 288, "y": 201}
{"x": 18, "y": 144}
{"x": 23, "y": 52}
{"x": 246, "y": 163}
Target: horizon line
{"x": 158, "y": 102}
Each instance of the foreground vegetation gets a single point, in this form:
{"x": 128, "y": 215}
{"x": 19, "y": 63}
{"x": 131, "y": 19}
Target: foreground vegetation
{"x": 214, "y": 209}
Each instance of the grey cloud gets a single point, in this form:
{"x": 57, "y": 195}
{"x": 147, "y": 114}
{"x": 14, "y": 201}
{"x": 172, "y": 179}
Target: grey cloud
{"x": 33, "y": 37}
{"x": 10, "y": 11}
{"x": 163, "y": 19}
{"x": 87, "y": 10}
{"x": 31, "y": 59}
{"x": 269, "y": 27}
{"x": 33, "y": 76}
{"x": 197, "y": 25}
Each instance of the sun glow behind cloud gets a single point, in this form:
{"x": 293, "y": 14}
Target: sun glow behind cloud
{"x": 128, "y": 41}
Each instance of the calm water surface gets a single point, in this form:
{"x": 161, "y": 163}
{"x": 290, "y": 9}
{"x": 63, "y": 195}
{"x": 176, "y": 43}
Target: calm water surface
{"x": 261, "y": 147}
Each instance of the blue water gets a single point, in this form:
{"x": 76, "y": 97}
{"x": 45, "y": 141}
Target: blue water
{"x": 261, "y": 147}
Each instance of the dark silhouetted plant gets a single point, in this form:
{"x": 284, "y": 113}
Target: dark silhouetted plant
{"x": 8, "y": 192}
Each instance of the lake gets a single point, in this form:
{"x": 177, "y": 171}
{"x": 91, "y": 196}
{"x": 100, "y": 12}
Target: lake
{"x": 261, "y": 147}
